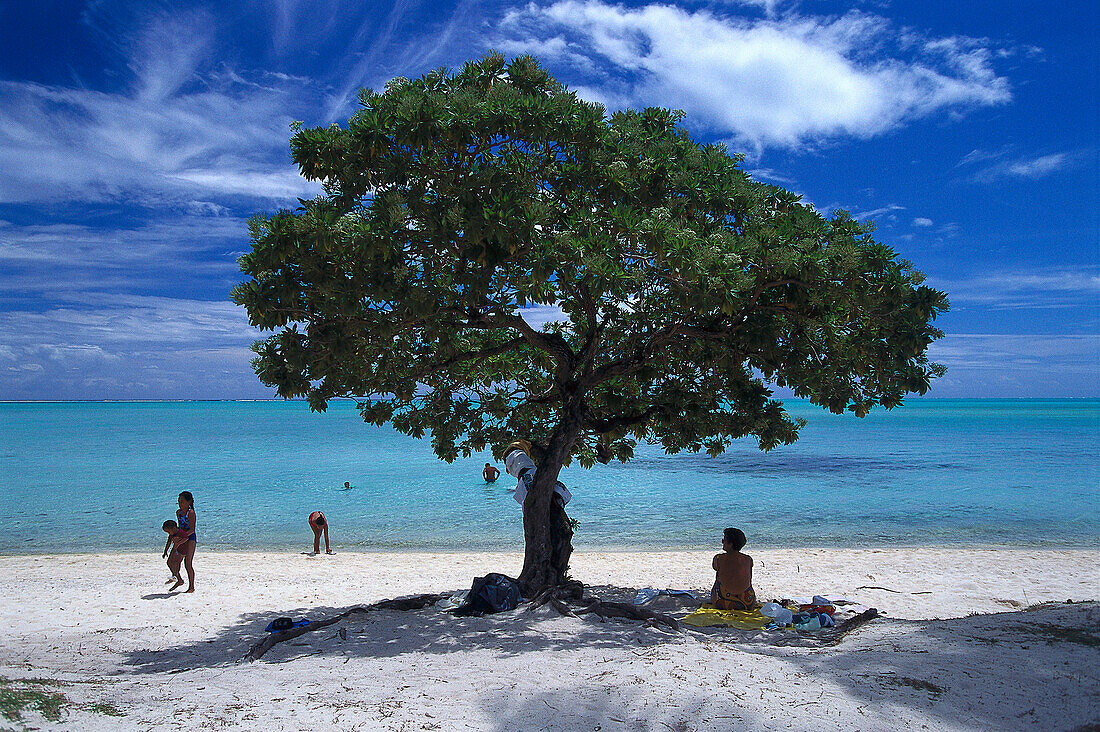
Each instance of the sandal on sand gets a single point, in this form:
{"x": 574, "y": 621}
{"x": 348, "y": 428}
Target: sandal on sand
{"x": 278, "y": 625}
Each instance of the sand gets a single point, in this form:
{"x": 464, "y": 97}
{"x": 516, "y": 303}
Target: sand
{"x": 970, "y": 639}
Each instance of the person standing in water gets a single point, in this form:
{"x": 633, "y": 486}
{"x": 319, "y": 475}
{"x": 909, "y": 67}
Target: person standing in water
{"x": 490, "y": 473}
{"x": 184, "y": 552}
{"x": 319, "y": 524}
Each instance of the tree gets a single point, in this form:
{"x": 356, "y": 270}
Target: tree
{"x": 454, "y": 203}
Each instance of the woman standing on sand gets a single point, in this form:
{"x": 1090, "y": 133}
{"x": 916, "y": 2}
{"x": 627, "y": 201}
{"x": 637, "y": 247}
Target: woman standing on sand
{"x": 185, "y": 552}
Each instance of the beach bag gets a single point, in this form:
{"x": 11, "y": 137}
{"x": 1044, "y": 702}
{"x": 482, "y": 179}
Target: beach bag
{"x": 493, "y": 593}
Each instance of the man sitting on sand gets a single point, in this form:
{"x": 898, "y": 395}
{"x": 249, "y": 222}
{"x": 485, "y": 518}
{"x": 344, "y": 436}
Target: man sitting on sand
{"x": 490, "y": 473}
{"x": 318, "y": 523}
{"x": 733, "y": 574}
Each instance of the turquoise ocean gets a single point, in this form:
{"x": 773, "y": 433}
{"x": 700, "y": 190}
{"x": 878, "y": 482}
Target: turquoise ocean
{"x": 78, "y": 477}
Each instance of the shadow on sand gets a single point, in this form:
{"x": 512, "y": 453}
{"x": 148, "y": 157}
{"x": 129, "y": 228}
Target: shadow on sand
{"x": 956, "y": 670}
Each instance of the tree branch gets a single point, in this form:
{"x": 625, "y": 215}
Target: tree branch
{"x": 469, "y": 356}
{"x": 603, "y": 426}
{"x": 551, "y": 343}
{"x": 668, "y": 334}
{"x": 592, "y": 341}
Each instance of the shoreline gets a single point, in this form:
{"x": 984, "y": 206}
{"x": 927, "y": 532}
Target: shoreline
{"x": 303, "y": 546}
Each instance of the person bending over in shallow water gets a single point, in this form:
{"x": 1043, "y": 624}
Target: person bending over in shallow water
{"x": 318, "y": 523}
{"x": 490, "y": 473}
{"x": 733, "y": 575}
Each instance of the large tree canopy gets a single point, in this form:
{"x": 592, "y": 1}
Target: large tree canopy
{"x": 679, "y": 288}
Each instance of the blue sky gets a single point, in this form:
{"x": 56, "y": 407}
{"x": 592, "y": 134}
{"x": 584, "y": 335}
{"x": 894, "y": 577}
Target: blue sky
{"x": 136, "y": 138}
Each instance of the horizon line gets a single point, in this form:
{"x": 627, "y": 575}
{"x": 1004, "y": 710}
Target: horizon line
{"x": 352, "y": 399}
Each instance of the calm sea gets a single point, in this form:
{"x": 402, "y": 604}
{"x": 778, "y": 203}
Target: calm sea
{"x": 80, "y": 477}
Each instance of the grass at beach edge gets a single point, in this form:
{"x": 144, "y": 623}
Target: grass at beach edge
{"x": 18, "y": 696}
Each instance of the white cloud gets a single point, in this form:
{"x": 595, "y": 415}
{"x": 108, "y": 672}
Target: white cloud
{"x": 770, "y": 7}
{"x": 394, "y": 48}
{"x": 766, "y": 82}
{"x": 921, "y": 221}
{"x": 771, "y": 175}
{"x": 977, "y": 156}
{"x": 277, "y": 185}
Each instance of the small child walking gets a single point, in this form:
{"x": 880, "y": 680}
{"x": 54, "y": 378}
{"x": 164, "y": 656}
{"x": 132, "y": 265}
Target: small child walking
{"x": 733, "y": 574}
{"x": 176, "y": 537}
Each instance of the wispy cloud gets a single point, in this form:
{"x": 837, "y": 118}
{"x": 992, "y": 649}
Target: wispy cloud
{"x": 1002, "y": 351}
{"x": 989, "y": 166}
{"x": 117, "y": 347}
{"x": 398, "y": 46}
{"x": 59, "y": 261}
{"x": 1026, "y": 289}
{"x": 184, "y": 126}
{"x": 889, "y": 212}
{"x": 775, "y": 81}
{"x": 1000, "y": 365}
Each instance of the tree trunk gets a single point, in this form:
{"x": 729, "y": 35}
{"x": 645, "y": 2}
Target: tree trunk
{"x": 546, "y": 530}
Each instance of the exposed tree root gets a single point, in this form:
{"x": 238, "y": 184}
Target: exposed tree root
{"x": 630, "y": 612}
{"x": 565, "y": 599}
{"x": 828, "y": 637}
{"x": 558, "y": 599}
{"x": 849, "y": 625}
{"x": 414, "y": 602}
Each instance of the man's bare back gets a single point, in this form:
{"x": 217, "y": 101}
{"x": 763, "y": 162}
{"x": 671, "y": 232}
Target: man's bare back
{"x": 733, "y": 574}
{"x": 734, "y": 571}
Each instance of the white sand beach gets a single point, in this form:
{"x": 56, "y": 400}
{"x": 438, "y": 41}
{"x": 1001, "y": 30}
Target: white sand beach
{"x": 962, "y": 645}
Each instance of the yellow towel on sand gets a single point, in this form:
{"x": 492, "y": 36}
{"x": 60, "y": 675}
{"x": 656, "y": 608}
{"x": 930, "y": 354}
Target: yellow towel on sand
{"x": 709, "y": 615}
